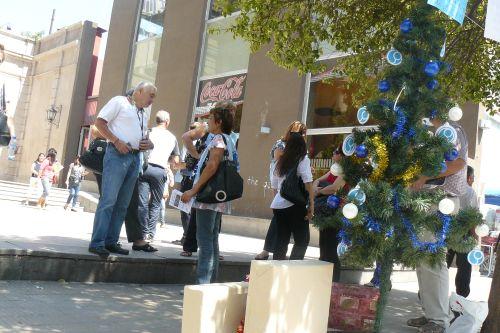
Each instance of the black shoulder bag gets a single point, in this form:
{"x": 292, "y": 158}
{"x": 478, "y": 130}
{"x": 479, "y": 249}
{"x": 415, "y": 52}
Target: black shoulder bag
{"x": 93, "y": 158}
{"x": 225, "y": 185}
{"x": 293, "y": 188}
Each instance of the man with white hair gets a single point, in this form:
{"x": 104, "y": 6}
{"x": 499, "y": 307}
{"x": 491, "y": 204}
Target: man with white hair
{"x": 123, "y": 123}
{"x": 152, "y": 182}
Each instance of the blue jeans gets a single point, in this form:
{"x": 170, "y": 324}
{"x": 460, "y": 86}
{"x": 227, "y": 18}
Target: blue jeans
{"x": 150, "y": 186}
{"x": 73, "y": 189}
{"x": 120, "y": 173}
{"x": 207, "y": 235}
{"x": 46, "y": 185}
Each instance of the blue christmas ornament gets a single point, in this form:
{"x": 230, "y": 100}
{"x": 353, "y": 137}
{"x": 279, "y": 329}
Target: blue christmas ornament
{"x": 431, "y": 68}
{"x": 444, "y": 167}
{"x": 432, "y": 84}
{"x": 394, "y": 57}
{"x": 433, "y": 114}
{"x": 475, "y": 257}
{"x": 384, "y": 86}
{"x": 451, "y": 155}
{"x": 361, "y": 151}
{"x": 406, "y": 26}
{"x": 333, "y": 201}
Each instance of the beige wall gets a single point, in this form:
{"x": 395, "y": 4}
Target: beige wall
{"x": 14, "y": 73}
{"x": 179, "y": 58}
{"x": 118, "y": 50}
{"x": 274, "y": 98}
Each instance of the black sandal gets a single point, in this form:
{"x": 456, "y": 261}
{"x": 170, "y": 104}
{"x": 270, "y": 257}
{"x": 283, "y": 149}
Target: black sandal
{"x": 145, "y": 248}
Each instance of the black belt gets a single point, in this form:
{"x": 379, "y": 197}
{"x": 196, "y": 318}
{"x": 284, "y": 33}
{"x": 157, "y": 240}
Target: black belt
{"x": 132, "y": 150}
{"x": 156, "y": 165}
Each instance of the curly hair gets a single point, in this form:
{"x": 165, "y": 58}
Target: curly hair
{"x": 224, "y": 113}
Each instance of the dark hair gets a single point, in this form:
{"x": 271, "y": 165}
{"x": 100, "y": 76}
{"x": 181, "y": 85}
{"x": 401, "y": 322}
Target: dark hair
{"x": 129, "y": 92}
{"x": 470, "y": 171}
{"x": 52, "y": 156}
{"x": 339, "y": 151}
{"x": 224, "y": 112}
{"x": 295, "y": 150}
{"x": 51, "y": 150}
{"x": 39, "y": 156}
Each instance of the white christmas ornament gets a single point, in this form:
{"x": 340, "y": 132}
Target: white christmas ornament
{"x": 482, "y": 230}
{"x": 336, "y": 169}
{"x": 455, "y": 113}
{"x": 446, "y": 206}
{"x": 350, "y": 211}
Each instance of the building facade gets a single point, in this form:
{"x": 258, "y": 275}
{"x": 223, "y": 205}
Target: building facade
{"x": 169, "y": 43}
{"x": 58, "y": 73}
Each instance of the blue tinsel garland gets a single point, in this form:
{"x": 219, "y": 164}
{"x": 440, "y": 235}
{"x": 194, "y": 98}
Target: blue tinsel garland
{"x": 431, "y": 247}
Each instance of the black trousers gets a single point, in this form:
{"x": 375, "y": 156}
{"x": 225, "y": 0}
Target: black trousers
{"x": 186, "y": 184}
{"x": 328, "y": 242}
{"x": 291, "y": 221}
{"x": 132, "y": 224}
{"x": 464, "y": 271}
{"x": 270, "y": 242}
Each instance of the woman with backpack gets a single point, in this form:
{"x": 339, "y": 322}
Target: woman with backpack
{"x": 293, "y": 204}
{"x": 75, "y": 175}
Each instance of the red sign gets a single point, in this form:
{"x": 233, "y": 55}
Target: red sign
{"x": 221, "y": 89}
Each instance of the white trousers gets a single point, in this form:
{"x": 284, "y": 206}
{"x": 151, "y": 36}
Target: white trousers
{"x": 433, "y": 283}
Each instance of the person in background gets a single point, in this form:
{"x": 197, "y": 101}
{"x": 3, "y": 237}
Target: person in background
{"x": 276, "y": 152}
{"x": 124, "y": 124}
{"x": 166, "y": 193}
{"x": 433, "y": 281}
{"x": 208, "y": 216}
{"x": 195, "y": 141}
{"x": 47, "y": 176}
{"x": 323, "y": 187}
{"x": 151, "y": 183}
{"x": 34, "y": 179}
{"x": 292, "y": 219}
{"x": 196, "y": 131}
{"x": 464, "y": 268}
{"x": 76, "y": 173}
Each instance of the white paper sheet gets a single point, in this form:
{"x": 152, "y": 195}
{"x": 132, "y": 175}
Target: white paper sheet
{"x": 175, "y": 201}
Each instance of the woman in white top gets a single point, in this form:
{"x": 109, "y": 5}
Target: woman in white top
{"x": 34, "y": 180}
{"x": 292, "y": 218}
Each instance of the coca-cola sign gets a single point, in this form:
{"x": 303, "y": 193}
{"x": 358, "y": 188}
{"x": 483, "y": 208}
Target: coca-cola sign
{"x": 221, "y": 89}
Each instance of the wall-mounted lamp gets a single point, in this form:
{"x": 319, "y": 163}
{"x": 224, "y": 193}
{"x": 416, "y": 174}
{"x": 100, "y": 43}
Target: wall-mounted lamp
{"x": 54, "y": 114}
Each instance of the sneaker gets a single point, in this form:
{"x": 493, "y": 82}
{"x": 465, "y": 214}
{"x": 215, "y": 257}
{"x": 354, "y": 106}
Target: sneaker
{"x": 417, "y": 322}
{"x": 116, "y": 248}
{"x": 371, "y": 285}
{"x": 100, "y": 251}
{"x": 66, "y": 207}
{"x": 431, "y": 327}
{"x": 73, "y": 210}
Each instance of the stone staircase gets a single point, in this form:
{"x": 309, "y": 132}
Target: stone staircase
{"x": 18, "y": 192}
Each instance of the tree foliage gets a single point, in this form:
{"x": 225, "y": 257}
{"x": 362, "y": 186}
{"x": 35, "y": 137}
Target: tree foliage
{"x": 365, "y": 29}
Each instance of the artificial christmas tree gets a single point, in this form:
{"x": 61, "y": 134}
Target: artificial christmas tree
{"x": 382, "y": 217}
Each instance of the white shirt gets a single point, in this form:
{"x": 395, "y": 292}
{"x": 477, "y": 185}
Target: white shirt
{"x": 124, "y": 120}
{"x": 165, "y": 144}
{"x": 469, "y": 198}
{"x": 303, "y": 170}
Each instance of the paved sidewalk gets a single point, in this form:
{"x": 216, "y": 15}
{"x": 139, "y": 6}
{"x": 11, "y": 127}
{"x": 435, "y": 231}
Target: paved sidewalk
{"x": 57, "y": 230}
{"x": 27, "y": 306}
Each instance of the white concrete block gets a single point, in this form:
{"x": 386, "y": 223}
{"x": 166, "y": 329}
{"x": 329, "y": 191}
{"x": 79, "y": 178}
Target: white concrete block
{"x": 288, "y": 296}
{"x": 214, "y": 308}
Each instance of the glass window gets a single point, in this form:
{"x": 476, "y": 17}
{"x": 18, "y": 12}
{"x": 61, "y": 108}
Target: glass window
{"x": 331, "y": 105}
{"x": 214, "y": 13}
{"x": 147, "y": 46}
{"x": 223, "y": 52}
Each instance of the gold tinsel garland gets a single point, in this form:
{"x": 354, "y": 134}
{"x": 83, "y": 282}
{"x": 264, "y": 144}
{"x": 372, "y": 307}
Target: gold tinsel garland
{"x": 410, "y": 174}
{"x": 382, "y": 158}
